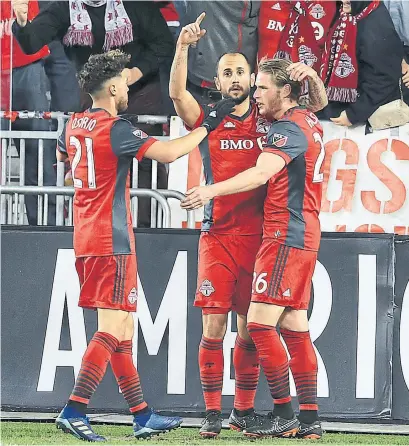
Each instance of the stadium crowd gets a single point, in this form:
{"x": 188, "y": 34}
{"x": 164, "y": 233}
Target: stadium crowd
{"x": 345, "y": 61}
{"x": 42, "y": 53}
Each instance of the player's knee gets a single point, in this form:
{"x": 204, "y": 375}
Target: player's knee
{"x": 113, "y": 322}
{"x": 214, "y": 325}
{"x": 242, "y": 328}
{"x": 294, "y": 320}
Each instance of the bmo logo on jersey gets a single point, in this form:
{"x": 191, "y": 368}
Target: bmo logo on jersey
{"x": 241, "y": 144}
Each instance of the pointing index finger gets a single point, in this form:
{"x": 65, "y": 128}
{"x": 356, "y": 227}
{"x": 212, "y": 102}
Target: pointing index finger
{"x": 199, "y": 20}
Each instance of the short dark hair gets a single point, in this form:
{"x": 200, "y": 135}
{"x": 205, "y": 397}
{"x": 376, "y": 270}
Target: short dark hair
{"x": 101, "y": 67}
{"x": 228, "y": 53}
{"x": 277, "y": 69}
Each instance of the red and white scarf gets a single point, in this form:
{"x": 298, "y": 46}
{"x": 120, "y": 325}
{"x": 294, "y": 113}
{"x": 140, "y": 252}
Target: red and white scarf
{"x": 298, "y": 42}
{"x": 118, "y": 27}
{"x": 339, "y": 69}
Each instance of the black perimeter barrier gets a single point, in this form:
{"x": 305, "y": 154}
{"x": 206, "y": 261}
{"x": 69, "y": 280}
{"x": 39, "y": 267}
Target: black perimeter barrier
{"x": 359, "y": 318}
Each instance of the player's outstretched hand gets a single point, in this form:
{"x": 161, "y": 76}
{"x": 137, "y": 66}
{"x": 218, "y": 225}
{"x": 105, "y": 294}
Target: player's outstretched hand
{"x": 218, "y": 113}
{"x": 196, "y": 198}
{"x": 191, "y": 34}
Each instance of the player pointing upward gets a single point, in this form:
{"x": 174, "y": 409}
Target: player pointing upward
{"x": 290, "y": 165}
{"x": 232, "y": 226}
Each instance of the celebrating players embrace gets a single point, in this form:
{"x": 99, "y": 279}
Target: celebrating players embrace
{"x": 257, "y": 250}
{"x": 230, "y": 247}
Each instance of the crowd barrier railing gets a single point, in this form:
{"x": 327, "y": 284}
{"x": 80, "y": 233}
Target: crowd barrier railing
{"x": 14, "y": 217}
{"x": 14, "y": 188}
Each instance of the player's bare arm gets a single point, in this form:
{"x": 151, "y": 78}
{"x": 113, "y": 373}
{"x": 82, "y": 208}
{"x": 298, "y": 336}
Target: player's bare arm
{"x": 169, "y": 151}
{"x": 268, "y": 165}
{"x": 185, "y": 104}
{"x": 317, "y": 98}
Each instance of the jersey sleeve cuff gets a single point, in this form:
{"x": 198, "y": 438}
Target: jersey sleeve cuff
{"x": 144, "y": 147}
{"x": 275, "y": 151}
{"x": 198, "y": 122}
{"x": 61, "y": 150}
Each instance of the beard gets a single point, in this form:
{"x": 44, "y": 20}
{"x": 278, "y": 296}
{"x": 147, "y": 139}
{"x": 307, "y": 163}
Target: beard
{"x": 238, "y": 99}
{"x": 122, "y": 105}
{"x": 271, "y": 109}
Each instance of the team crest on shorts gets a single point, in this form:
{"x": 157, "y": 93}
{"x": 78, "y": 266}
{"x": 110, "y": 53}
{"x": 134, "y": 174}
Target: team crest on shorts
{"x": 133, "y": 296}
{"x": 206, "y": 288}
{"x": 279, "y": 140}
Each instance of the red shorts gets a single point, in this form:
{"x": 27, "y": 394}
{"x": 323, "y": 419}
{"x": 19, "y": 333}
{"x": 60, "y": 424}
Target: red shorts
{"x": 283, "y": 275}
{"x": 108, "y": 282}
{"x": 225, "y": 272}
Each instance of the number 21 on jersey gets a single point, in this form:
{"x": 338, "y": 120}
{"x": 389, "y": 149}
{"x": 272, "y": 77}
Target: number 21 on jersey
{"x": 84, "y": 176}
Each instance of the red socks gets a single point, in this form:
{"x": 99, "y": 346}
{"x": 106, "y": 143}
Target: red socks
{"x": 304, "y": 367}
{"x": 273, "y": 359}
{"x": 211, "y": 363}
{"x": 247, "y": 372}
{"x": 127, "y": 376}
{"x": 93, "y": 366}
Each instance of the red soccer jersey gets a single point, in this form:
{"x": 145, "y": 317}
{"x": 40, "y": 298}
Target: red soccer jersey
{"x": 273, "y": 18}
{"x": 293, "y": 198}
{"x": 101, "y": 148}
{"x": 230, "y": 149}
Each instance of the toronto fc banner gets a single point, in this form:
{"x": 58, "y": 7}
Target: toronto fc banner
{"x": 366, "y": 178}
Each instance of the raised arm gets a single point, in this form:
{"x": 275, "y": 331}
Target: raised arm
{"x": 317, "y": 98}
{"x": 127, "y": 140}
{"x": 51, "y": 23}
{"x": 269, "y": 163}
{"x": 185, "y": 104}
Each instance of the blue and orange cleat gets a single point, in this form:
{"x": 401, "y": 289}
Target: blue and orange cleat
{"x": 72, "y": 422}
{"x": 150, "y": 423}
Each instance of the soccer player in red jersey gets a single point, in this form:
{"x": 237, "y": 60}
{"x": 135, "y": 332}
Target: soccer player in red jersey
{"x": 232, "y": 226}
{"x": 290, "y": 163}
{"x": 100, "y": 146}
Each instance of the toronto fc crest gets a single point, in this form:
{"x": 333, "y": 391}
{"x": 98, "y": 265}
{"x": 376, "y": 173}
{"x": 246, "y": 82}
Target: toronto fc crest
{"x": 306, "y": 55}
{"x": 206, "y": 288}
{"x": 317, "y": 11}
{"x": 345, "y": 67}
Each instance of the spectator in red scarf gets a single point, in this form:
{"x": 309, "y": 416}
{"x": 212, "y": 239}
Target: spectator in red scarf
{"x": 28, "y": 90}
{"x": 88, "y": 27}
{"x": 362, "y": 62}
{"x": 287, "y": 29}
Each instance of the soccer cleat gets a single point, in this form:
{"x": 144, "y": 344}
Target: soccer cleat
{"x": 271, "y": 426}
{"x": 237, "y": 423}
{"x": 311, "y": 431}
{"x": 149, "y": 424}
{"x": 72, "y": 422}
{"x": 212, "y": 424}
